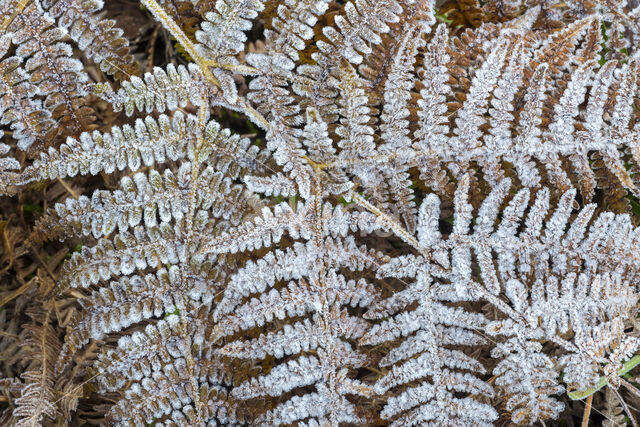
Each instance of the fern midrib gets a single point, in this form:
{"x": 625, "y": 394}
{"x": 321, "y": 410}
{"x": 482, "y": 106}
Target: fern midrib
{"x": 35, "y": 419}
{"x": 80, "y": 125}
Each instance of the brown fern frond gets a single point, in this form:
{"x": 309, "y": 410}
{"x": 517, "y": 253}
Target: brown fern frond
{"x": 37, "y": 396}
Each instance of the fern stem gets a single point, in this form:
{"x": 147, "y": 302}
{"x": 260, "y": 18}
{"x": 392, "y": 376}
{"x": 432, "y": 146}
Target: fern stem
{"x": 634, "y": 390}
{"x": 68, "y": 188}
{"x": 236, "y": 68}
{"x": 175, "y": 30}
{"x": 10, "y": 296}
{"x": 9, "y": 19}
{"x": 587, "y": 412}
{"x": 625, "y": 407}
{"x": 359, "y": 161}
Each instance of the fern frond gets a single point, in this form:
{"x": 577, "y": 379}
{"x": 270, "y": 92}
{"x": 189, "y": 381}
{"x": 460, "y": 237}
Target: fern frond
{"x": 177, "y": 379}
{"x": 312, "y": 311}
{"x": 222, "y": 33}
{"x": 29, "y": 120}
{"x": 58, "y": 77}
{"x": 428, "y": 329}
{"x": 37, "y": 396}
{"x": 99, "y": 38}
{"x": 278, "y": 265}
{"x": 158, "y": 91}
{"x": 147, "y": 143}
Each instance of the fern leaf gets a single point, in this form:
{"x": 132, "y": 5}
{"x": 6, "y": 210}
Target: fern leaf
{"x": 158, "y": 91}
{"x": 58, "y": 77}
{"x": 37, "y": 396}
{"x": 99, "y": 38}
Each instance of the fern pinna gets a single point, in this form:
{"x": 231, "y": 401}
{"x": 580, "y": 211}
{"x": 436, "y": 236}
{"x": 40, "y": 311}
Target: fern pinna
{"x": 248, "y": 212}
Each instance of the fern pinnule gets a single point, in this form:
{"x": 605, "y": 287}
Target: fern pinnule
{"x": 9, "y": 178}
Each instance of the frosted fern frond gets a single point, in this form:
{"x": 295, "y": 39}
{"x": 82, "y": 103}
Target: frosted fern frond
{"x": 147, "y": 143}
{"x": 353, "y": 34}
{"x": 136, "y": 297}
{"x": 469, "y": 118}
{"x": 148, "y": 260}
{"x": 356, "y": 135}
{"x": 158, "y": 91}
{"x": 43, "y": 85}
{"x": 129, "y": 253}
{"x": 601, "y": 345}
{"x": 427, "y": 335}
{"x": 279, "y": 266}
{"x": 268, "y": 228}
{"x": 500, "y": 122}
{"x": 597, "y": 348}
{"x": 528, "y": 129}
{"x": 394, "y": 127}
{"x": 270, "y": 92}
{"x": 273, "y": 185}
{"x": 501, "y": 112}
{"x": 168, "y": 374}
{"x": 429, "y": 329}
{"x": 528, "y": 377}
{"x": 600, "y": 352}
{"x": 58, "y": 77}
{"x": 620, "y": 18}
{"x": 126, "y": 302}
{"x": 145, "y": 200}
{"x": 222, "y": 33}
{"x": 525, "y": 375}
{"x": 507, "y": 259}
{"x": 169, "y": 242}
{"x": 292, "y": 27}
{"x": 324, "y": 334}
{"x": 312, "y": 308}
{"x": 29, "y": 121}
{"x": 433, "y": 125}
{"x": 530, "y": 253}
{"x": 99, "y": 38}
{"x": 348, "y": 41}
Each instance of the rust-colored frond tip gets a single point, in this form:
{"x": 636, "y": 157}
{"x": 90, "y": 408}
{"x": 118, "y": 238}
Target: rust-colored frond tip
{"x": 319, "y": 212}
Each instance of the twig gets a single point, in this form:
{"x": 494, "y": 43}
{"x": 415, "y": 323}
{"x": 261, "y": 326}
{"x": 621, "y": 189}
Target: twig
{"x": 625, "y": 407}
{"x": 587, "y": 412}
{"x": 15, "y": 293}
